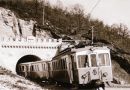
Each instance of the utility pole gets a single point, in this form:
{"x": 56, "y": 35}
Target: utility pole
{"x": 92, "y": 33}
{"x": 92, "y": 27}
{"x": 36, "y": 7}
{"x": 43, "y": 13}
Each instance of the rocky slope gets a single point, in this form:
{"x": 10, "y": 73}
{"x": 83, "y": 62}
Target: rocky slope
{"x": 12, "y": 26}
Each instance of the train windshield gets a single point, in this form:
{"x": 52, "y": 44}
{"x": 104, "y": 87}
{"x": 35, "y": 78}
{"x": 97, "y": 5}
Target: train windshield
{"x": 83, "y": 61}
{"x": 104, "y": 59}
{"x": 93, "y": 60}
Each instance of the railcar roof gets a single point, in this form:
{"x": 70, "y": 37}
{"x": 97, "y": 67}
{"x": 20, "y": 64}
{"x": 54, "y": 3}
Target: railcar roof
{"x": 91, "y": 48}
{"x": 74, "y": 50}
{"x": 26, "y": 63}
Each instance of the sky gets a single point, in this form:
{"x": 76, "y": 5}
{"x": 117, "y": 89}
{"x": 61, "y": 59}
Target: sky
{"x": 108, "y": 11}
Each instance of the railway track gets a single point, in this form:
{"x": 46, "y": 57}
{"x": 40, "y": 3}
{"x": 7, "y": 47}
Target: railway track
{"x": 54, "y": 86}
{"x": 117, "y": 87}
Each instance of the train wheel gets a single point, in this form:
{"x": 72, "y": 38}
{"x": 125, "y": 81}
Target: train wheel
{"x": 101, "y": 87}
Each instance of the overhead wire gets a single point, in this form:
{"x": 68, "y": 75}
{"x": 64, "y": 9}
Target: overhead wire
{"x": 92, "y": 27}
{"x": 90, "y": 14}
{"x": 95, "y": 6}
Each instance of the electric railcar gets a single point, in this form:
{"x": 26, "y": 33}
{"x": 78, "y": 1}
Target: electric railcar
{"x": 80, "y": 66}
{"x": 34, "y": 70}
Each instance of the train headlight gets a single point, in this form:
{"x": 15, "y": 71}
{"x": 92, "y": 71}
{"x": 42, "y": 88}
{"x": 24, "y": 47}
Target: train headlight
{"x": 94, "y": 72}
{"x": 84, "y": 76}
{"x": 105, "y": 74}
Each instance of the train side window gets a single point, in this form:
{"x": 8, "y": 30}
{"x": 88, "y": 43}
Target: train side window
{"x": 65, "y": 63}
{"x": 27, "y": 68}
{"x": 22, "y": 68}
{"x": 58, "y": 64}
{"x": 54, "y": 66}
{"x": 93, "y": 60}
{"x": 37, "y": 68}
{"x": 32, "y": 68}
{"x": 42, "y": 67}
{"x": 62, "y": 65}
{"x": 45, "y": 66}
{"x": 19, "y": 68}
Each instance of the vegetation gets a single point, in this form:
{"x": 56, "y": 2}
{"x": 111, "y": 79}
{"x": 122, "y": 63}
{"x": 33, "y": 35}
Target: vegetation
{"x": 75, "y": 23}
{"x": 70, "y": 22}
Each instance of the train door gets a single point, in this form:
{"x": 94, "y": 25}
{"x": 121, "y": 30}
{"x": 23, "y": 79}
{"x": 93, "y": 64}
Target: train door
{"x": 83, "y": 68}
{"x": 70, "y": 67}
{"x": 94, "y": 73}
{"x": 73, "y": 68}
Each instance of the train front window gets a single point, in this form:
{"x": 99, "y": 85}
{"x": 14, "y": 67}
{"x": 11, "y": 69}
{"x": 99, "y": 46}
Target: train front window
{"x": 93, "y": 60}
{"x": 83, "y": 61}
{"x": 104, "y": 59}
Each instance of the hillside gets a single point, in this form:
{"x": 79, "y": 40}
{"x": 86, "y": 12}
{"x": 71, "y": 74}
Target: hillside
{"x": 10, "y": 81}
{"x": 11, "y": 26}
{"x": 65, "y": 24}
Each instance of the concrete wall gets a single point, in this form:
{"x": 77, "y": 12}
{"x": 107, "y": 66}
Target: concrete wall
{"x": 11, "y": 50}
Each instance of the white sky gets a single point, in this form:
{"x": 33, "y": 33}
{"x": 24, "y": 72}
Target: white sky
{"x": 110, "y": 11}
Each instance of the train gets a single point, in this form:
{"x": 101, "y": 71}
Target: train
{"x": 77, "y": 66}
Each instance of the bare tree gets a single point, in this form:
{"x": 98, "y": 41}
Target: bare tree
{"x": 78, "y": 12}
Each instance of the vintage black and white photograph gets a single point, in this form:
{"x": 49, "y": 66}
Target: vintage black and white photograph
{"x": 64, "y": 45}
